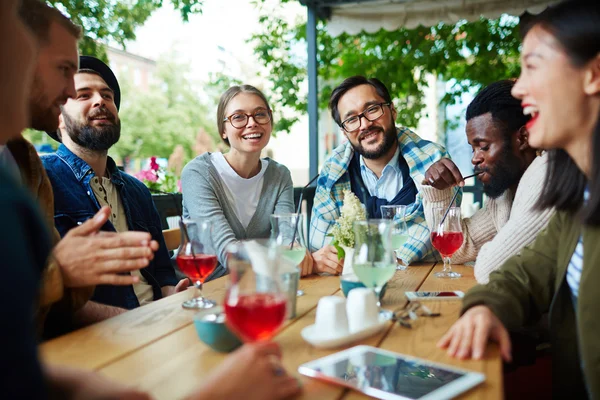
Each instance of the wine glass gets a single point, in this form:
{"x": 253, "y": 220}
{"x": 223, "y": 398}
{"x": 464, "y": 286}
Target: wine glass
{"x": 373, "y": 262}
{"x": 196, "y": 258}
{"x": 400, "y": 236}
{"x": 447, "y": 237}
{"x": 255, "y": 304}
{"x": 287, "y": 231}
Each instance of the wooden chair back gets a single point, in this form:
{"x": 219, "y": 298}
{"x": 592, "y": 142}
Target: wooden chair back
{"x": 172, "y": 238}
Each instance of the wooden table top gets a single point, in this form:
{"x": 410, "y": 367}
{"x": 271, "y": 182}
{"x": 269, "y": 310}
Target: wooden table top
{"x": 156, "y": 347}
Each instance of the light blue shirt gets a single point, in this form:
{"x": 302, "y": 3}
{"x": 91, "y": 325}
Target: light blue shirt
{"x": 390, "y": 182}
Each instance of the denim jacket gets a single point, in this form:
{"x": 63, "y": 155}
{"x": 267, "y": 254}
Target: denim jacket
{"x": 74, "y": 203}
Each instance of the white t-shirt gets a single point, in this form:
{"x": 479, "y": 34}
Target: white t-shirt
{"x": 243, "y": 194}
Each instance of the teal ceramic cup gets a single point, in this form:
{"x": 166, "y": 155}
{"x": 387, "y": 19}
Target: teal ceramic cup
{"x": 211, "y": 329}
{"x": 348, "y": 285}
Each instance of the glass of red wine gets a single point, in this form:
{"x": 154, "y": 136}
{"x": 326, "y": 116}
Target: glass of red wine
{"x": 255, "y": 304}
{"x": 196, "y": 258}
{"x": 447, "y": 237}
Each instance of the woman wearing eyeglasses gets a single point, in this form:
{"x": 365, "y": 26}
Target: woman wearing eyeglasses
{"x": 559, "y": 273}
{"x": 238, "y": 190}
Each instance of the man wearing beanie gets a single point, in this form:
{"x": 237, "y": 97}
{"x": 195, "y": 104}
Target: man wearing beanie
{"x": 85, "y": 179}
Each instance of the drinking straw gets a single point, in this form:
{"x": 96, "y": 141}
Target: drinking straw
{"x": 454, "y": 198}
{"x": 300, "y": 209}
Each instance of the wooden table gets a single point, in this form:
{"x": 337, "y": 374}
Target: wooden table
{"x": 156, "y": 348}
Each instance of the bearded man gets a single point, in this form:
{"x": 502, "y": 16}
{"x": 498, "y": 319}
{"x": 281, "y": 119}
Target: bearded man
{"x": 85, "y": 179}
{"x": 513, "y": 179}
{"x": 381, "y": 163}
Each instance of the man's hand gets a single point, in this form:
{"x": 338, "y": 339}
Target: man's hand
{"x": 181, "y": 286}
{"x": 443, "y": 174}
{"x": 88, "y": 256}
{"x": 326, "y": 260}
{"x": 254, "y": 372}
{"x": 469, "y": 335}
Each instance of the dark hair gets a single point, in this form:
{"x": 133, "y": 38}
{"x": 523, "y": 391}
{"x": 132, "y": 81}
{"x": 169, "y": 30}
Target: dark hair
{"x": 228, "y": 96}
{"x": 39, "y": 16}
{"x": 89, "y": 71}
{"x": 575, "y": 25}
{"x": 497, "y": 100}
{"x": 351, "y": 83}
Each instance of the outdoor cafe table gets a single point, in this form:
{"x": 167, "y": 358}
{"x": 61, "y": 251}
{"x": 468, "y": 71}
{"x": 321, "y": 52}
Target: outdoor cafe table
{"x": 156, "y": 348}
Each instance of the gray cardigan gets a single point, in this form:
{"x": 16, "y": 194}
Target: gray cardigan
{"x": 204, "y": 198}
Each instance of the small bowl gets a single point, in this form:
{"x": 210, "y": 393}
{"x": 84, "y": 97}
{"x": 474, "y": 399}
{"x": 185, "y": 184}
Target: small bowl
{"x": 348, "y": 285}
{"x": 211, "y": 329}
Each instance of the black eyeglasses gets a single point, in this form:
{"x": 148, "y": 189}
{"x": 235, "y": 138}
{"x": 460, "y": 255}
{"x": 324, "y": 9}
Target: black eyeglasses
{"x": 371, "y": 113}
{"x": 240, "y": 120}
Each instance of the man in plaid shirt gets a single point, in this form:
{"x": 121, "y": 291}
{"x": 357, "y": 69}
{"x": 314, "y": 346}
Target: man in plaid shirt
{"x": 380, "y": 163}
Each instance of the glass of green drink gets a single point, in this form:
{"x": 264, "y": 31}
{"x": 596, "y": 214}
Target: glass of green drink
{"x": 397, "y": 213}
{"x": 287, "y": 230}
{"x": 373, "y": 261}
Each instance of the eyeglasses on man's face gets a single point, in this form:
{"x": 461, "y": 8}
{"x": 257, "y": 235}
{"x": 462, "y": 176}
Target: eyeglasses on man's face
{"x": 240, "y": 120}
{"x": 371, "y": 113}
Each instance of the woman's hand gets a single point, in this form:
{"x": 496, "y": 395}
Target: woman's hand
{"x": 469, "y": 335}
{"x": 306, "y": 266}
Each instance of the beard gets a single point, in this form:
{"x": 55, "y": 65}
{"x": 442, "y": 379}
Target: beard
{"x": 42, "y": 115}
{"x": 506, "y": 173}
{"x": 95, "y": 138}
{"x": 389, "y": 138}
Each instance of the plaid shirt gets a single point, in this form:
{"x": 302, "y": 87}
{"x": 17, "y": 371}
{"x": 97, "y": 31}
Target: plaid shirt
{"x": 334, "y": 179}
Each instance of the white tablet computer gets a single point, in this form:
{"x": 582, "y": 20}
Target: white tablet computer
{"x": 387, "y": 375}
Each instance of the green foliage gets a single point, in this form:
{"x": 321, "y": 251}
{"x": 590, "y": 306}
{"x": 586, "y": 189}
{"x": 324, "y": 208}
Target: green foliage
{"x": 170, "y": 113}
{"x": 106, "y": 21}
{"x": 471, "y": 53}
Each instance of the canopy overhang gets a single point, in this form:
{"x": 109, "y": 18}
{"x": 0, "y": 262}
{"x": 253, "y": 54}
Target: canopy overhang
{"x": 354, "y": 16}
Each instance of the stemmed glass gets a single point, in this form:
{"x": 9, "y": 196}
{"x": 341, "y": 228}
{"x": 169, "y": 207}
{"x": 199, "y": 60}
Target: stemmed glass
{"x": 373, "y": 262}
{"x": 447, "y": 237}
{"x": 397, "y": 213}
{"x": 255, "y": 304}
{"x": 196, "y": 258}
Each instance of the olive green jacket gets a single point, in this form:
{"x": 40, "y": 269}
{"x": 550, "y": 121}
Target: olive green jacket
{"x": 534, "y": 282}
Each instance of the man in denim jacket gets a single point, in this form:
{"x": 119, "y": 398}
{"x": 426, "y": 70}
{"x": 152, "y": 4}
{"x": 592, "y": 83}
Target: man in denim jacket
{"x": 84, "y": 179}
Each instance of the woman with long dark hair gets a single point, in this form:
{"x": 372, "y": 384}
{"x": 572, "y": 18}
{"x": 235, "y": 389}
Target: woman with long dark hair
{"x": 559, "y": 273}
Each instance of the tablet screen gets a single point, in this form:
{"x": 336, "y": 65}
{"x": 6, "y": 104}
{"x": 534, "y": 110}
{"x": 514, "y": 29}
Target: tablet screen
{"x": 403, "y": 377}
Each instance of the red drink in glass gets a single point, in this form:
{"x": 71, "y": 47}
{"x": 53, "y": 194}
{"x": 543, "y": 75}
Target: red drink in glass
{"x": 447, "y": 242}
{"x": 197, "y": 267}
{"x": 256, "y": 317}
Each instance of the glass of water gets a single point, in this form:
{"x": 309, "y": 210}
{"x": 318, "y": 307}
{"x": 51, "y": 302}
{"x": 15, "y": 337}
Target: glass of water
{"x": 400, "y": 236}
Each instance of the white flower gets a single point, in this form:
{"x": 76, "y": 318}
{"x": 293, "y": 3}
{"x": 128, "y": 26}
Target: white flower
{"x": 352, "y": 210}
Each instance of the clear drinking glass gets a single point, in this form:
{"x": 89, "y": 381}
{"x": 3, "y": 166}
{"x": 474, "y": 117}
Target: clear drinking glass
{"x": 447, "y": 237}
{"x": 397, "y": 213}
{"x": 255, "y": 304}
{"x": 291, "y": 246}
{"x": 196, "y": 258}
{"x": 373, "y": 261}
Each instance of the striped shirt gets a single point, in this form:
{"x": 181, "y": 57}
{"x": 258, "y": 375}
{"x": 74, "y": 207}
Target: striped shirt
{"x": 576, "y": 263}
